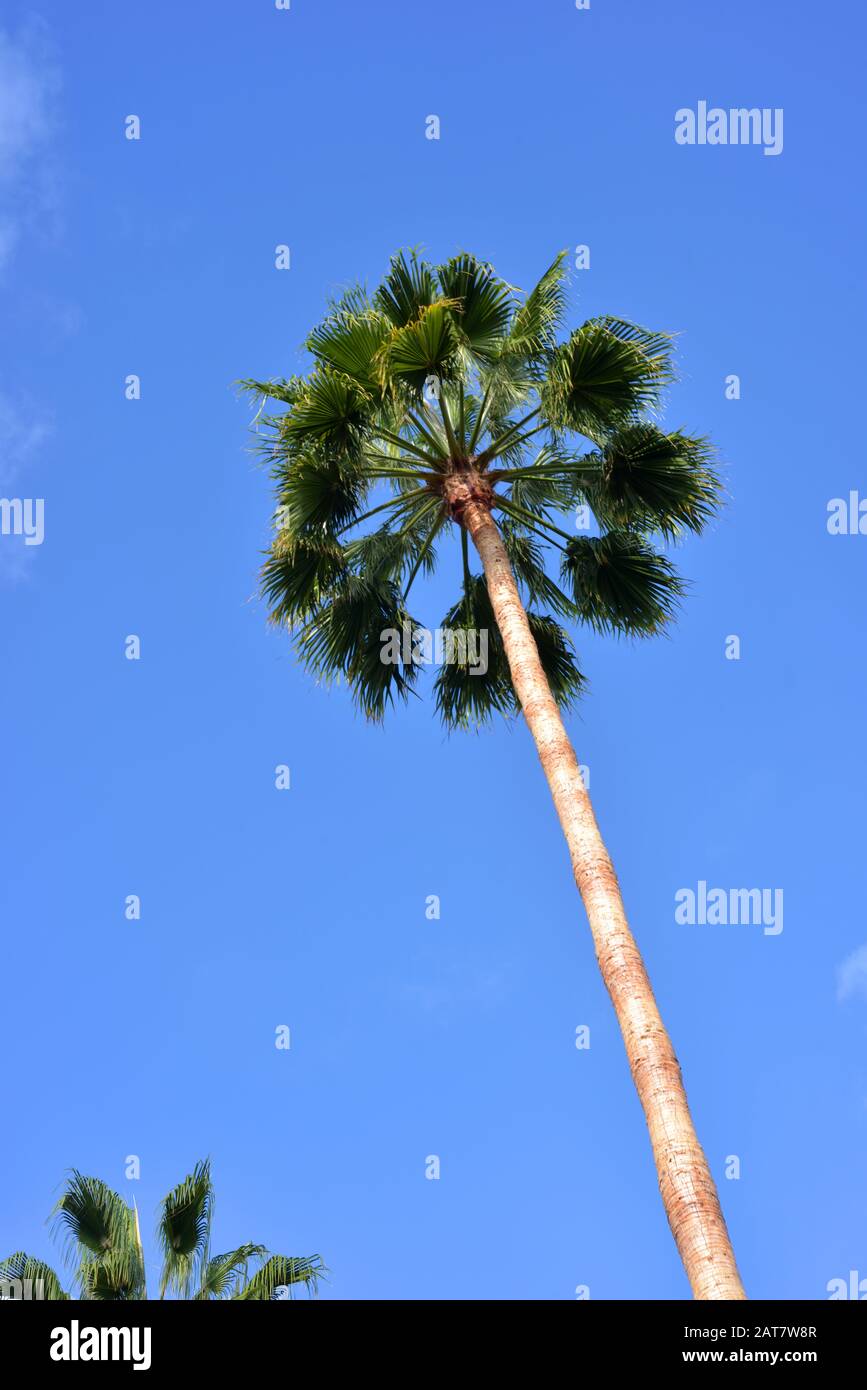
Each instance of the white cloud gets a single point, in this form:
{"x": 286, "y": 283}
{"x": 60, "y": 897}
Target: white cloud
{"x": 21, "y": 436}
{"x": 852, "y": 976}
{"x": 28, "y": 83}
{"x": 28, "y": 197}
{"x": 24, "y": 94}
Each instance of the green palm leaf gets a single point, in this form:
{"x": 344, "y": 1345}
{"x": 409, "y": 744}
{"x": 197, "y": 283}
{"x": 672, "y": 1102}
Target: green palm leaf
{"x": 534, "y": 328}
{"x": 467, "y": 696}
{"x": 620, "y": 584}
{"x": 333, "y": 409}
{"x": 225, "y": 1276}
{"x": 347, "y": 638}
{"x": 320, "y": 490}
{"x": 98, "y": 1231}
{"x": 393, "y": 554}
{"x": 483, "y": 304}
{"x": 103, "y": 1243}
{"x": 424, "y": 348}
{"x": 284, "y": 1272}
{"x": 298, "y": 573}
{"x": 351, "y": 344}
{"x": 44, "y": 1283}
{"x": 184, "y": 1229}
{"x": 408, "y": 288}
{"x": 656, "y": 481}
{"x": 599, "y": 380}
{"x": 110, "y": 1280}
{"x": 656, "y": 346}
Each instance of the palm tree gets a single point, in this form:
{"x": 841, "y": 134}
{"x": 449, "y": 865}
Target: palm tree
{"x": 103, "y": 1245}
{"x": 439, "y": 402}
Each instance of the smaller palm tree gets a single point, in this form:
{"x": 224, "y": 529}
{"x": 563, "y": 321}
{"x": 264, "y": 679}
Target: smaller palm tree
{"x": 103, "y": 1246}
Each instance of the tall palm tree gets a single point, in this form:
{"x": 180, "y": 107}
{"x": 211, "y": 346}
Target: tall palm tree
{"x": 444, "y": 401}
{"x": 103, "y": 1245}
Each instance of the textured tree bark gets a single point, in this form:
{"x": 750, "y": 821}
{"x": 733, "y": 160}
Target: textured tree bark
{"x": 685, "y": 1182}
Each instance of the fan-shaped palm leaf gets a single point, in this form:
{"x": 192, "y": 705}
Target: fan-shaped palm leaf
{"x": 282, "y": 1272}
{"x": 34, "y": 1278}
{"x": 423, "y": 348}
{"x": 226, "y": 1276}
{"x": 467, "y": 695}
{"x": 409, "y": 287}
{"x": 333, "y": 408}
{"x": 348, "y": 639}
{"x": 655, "y": 481}
{"x": 599, "y": 380}
{"x": 351, "y": 343}
{"x": 184, "y": 1229}
{"x": 98, "y": 1231}
{"x": 483, "y": 304}
{"x": 536, "y": 323}
{"x": 620, "y": 584}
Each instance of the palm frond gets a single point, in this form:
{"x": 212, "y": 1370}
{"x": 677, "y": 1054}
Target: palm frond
{"x": 656, "y": 345}
{"x": 620, "y": 584}
{"x": 557, "y": 656}
{"x": 332, "y": 409}
{"x": 655, "y": 481}
{"x": 423, "y": 348}
{"x": 469, "y": 696}
{"x": 184, "y": 1229}
{"x": 391, "y": 554}
{"x": 297, "y": 574}
{"x": 283, "y": 1272}
{"x": 320, "y": 490}
{"x": 97, "y": 1230}
{"x": 351, "y": 343}
{"x": 483, "y": 304}
{"x": 346, "y": 639}
{"x": 287, "y": 392}
{"x": 534, "y": 328}
{"x": 598, "y": 381}
{"x": 110, "y": 1280}
{"x": 556, "y": 480}
{"x": 408, "y": 288}
{"x": 226, "y": 1276}
{"x": 43, "y": 1282}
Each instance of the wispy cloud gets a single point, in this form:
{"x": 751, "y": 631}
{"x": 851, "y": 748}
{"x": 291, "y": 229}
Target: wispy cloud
{"x": 852, "y": 976}
{"x": 28, "y": 172}
{"x": 29, "y": 181}
{"x": 20, "y": 439}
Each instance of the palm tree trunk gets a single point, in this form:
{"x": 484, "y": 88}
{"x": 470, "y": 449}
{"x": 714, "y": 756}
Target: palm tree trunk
{"x": 685, "y": 1182}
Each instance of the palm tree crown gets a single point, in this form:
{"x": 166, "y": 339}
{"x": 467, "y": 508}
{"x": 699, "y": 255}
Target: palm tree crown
{"x": 445, "y": 386}
{"x": 103, "y": 1246}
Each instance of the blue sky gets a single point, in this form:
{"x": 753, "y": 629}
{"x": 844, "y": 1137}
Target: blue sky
{"x": 307, "y": 907}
